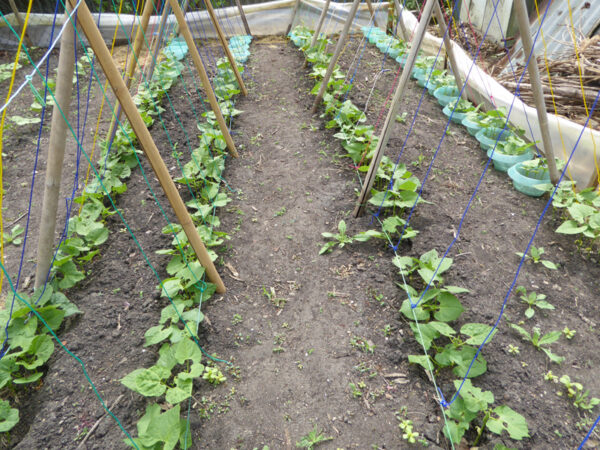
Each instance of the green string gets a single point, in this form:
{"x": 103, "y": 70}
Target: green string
{"x": 421, "y": 340}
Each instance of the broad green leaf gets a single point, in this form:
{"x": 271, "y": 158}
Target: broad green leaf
{"x": 475, "y": 399}
{"x": 166, "y": 428}
{"x": 171, "y": 287}
{"x": 450, "y": 308}
{"x": 29, "y": 379}
{"x": 421, "y": 360}
{"x": 509, "y": 420}
{"x": 9, "y": 417}
{"x": 156, "y": 334}
{"x": 424, "y": 334}
{"x": 178, "y": 393}
{"x": 571, "y": 227}
{"x": 40, "y": 349}
{"x": 342, "y": 227}
{"x": 418, "y": 311}
{"x": 549, "y": 338}
{"x": 52, "y": 316}
{"x": 455, "y": 289}
{"x": 443, "y": 328}
{"x": 524, "y": 333}
{"x": 186, "y": 349}
{"x": 478, "y": 333}
{"x": 580, "y": 211}
{"x": 148, "y": 382}
{"x": 549, "y": 264}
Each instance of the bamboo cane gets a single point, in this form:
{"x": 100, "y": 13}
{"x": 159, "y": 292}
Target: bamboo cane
{"x": 223, "y": 39}
{"x": 56, "y": 152}
{"x": 536, "y": 88}
{"x": 336, "y": 55}
{"x": 398, "y": 95}
{"x": 214, "y": 104}
{"x": 243, "y": 17}
{"x": 439, "y": 16}
{"x": 87, "y": 24}
{"x": 162, "y": 26}
{"x": 17, "y": 14}
{"x": 372, "y": 12}
{"x": 315, "y": 37}
{"x": 130, "y": 72}
{"x": 294, "y": 11}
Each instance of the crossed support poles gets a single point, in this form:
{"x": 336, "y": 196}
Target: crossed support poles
{"x": 120, "y": 87}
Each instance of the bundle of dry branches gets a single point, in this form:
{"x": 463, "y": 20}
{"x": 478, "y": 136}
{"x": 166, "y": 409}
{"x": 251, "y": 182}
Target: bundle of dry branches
{"x": 564, "y": 74}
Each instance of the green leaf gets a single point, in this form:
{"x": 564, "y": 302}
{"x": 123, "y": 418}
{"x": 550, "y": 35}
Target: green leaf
{"x": 342, "y": 227}
{"x": 41, "y": 348}
{"x": 509, "y": 420}
{"x": 478, "y": 333}
{"x": 549, "y": 264}
{"x": 24, "y": 120}
{"x": 421, "y": 360}
{"x": 186, "y": 349}
{"x": 475, "y": 399}
{"x": 521, "y": 331}
{"x": 418, "y": 311}
{"x": 580, "y": 211}
{"x": 424, "y": 334}
{"x": 443, "y": 328}
{"x": 549, "y": 338}
{"x": 571, "y": 227}
{"x": 553, "y": 357}
{"x": 29, "y": 379}
{"x": 148, "y": 382}
{"x": 9, "y": 417}
{"x": 171, "y": 287}
{"x": 156, "y": 334}
{"x": 450, "y": 308}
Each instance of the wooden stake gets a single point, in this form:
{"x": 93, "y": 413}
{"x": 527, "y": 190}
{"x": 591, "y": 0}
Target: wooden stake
{"x": 372, "y": 12}
{"x": 294, "y": 11}
{"x": 17, "y": 14}
{"x": 162, "y": 26}
{"x": 214, "y": 104}
{"x": 56, "y": 152}
{"x": 336, "y": 55}
{"x": 137, "y": 46}
{"x": 405, "y": 35}
{"x": 88, "y": 26}
{"x": 439, "y": 16}
{"x": 536, "y": 87}
{"x": 223, "y": 39}
{"x": 243, "y": 17}
{"x": 315, "y": 37}
{"x": 385, "y": 133}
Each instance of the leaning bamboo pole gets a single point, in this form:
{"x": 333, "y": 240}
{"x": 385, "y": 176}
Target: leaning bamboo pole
{"x": 336, "y": 55}
{"x": 389, "y": 120}
{"x": 89, "y": 28}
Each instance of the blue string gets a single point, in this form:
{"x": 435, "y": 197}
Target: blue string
{"x": 589, "y": 433}
{"x": 4, "y": 348}
{"x": 391, "y": 183}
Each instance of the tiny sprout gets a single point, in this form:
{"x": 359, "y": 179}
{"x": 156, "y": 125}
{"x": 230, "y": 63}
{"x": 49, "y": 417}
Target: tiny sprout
{"x": 549, "y": 376}
{"x": 513, "y": 349}
{"x": 569, "y": 334}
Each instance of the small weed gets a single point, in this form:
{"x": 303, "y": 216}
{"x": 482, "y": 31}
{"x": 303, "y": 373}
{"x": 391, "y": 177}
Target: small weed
{"x": 312, "y": 439}
{"x": 281, "y": 212}
{"x": 362, "y": 344}
{"x": 236, "y": 319}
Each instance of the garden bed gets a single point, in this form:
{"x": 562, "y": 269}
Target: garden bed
{"x": 299, "y": 328}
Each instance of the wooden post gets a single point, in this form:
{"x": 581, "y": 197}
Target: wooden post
{"x": 400, "y": 10}
{"x": 56, "y": 152}
{"x": 162, "y": 26}
{"x": 536, "y": 87}
{"x": 389, "y": 120}
{"x": 223, "y": 39}
{"x": 140, "y": 35}
{"x": 243, "y": 17}
{"x": 184, "y": 8}
{"x": 372, "y": 12}
{"x": 214, "y": 104}
{"x": 315, "y": 37}
{"x": 439, "y": 15}
{"x": 336, "y": 55}
{"x": 88, "y": 26}
{"x": 17, "y": 14}
{"x": 294, "y": 11}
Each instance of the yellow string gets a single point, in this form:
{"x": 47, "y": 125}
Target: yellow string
{"x": 572, "y": 32}
{"x": 562, "y": 139}
{"x": 97, "y": 131}
{"x": 12, "y": 82}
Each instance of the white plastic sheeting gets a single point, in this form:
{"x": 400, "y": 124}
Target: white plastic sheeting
{"x": 481, "y": 88}
{"x": 272, "y": 18}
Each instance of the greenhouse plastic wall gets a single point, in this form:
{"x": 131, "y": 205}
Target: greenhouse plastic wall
{"x": 272, "y": 18}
